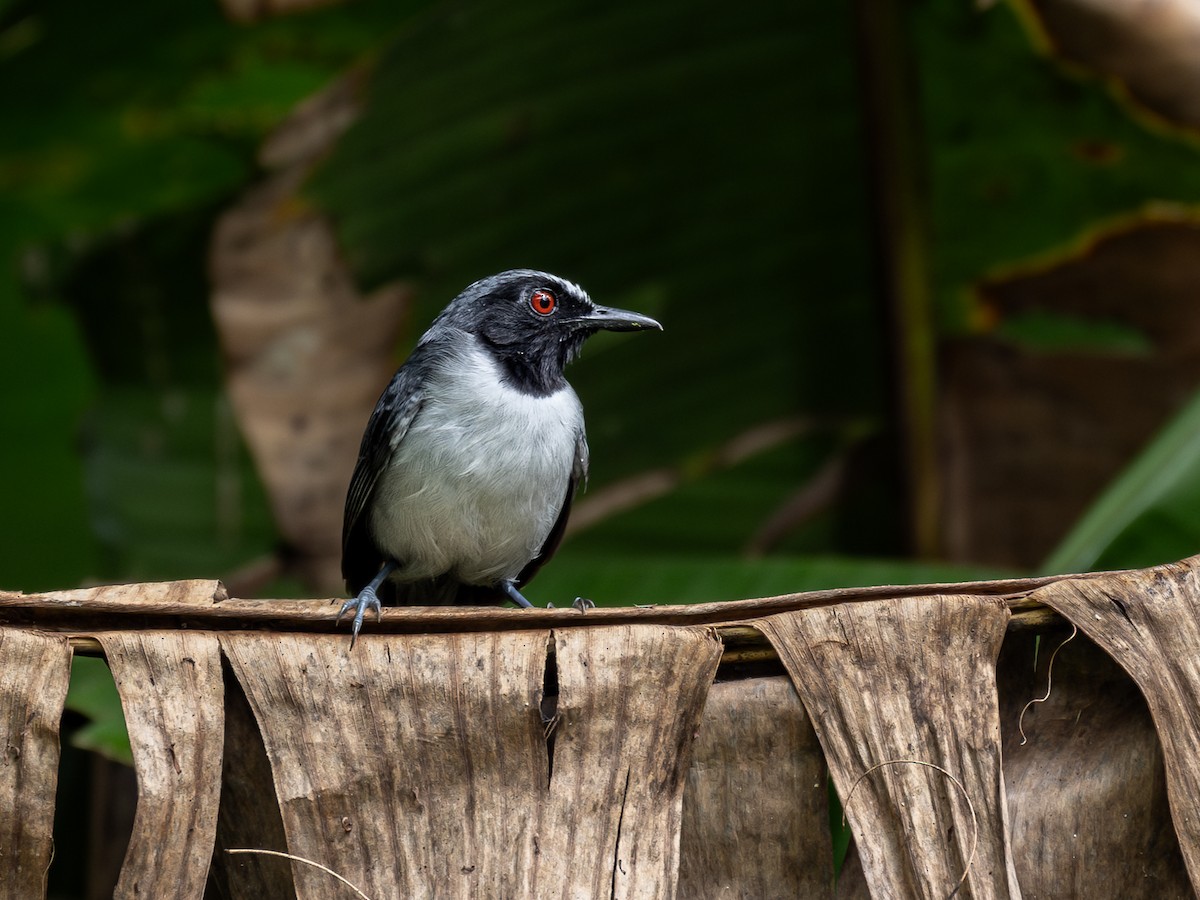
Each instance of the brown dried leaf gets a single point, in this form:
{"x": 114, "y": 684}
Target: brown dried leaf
{"x": 412, "y": 767}
{"x": 1147, "y": 621}
{"x": 34, "y": 672}
{"x": 418, "y": 766}
{"x": 1087, "y": 795}
{"x": 630, "y": 701}
{"x": 173, "y": 698}
{"x": 1148, "y": 45}
{"x": 255, "y": 10}
{"x": 249, "y": 814}
{"x": 910, "y": 680}
{"x": 756, "y": 808}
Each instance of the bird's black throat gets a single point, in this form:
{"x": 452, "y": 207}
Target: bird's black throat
{"x": 536, "y": 366}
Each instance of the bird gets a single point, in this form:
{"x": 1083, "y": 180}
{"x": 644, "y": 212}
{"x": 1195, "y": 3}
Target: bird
{"x": 472, "y": 456}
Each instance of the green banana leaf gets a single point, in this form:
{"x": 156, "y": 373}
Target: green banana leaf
{"x": 1150, "y": 514}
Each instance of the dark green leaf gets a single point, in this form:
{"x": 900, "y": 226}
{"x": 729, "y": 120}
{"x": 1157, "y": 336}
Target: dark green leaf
{"x": 1150, "y": 514}
{"x": 93, "y": 694}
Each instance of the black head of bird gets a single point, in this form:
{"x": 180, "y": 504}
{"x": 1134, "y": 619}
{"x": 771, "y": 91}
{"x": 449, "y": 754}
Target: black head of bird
{"x": 534, "y": 324}
{"x": 471, "y": 458}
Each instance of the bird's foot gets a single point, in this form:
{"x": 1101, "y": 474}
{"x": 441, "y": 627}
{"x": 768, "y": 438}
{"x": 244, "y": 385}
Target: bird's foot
{"x": 515, "y": 596}
{"x": 366, "y": 600}
{"x": 583, "y": 604}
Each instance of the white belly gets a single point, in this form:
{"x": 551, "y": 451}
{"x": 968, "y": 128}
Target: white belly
{"x": 478, "y": 482}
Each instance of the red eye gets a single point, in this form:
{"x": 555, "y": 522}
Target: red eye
{"x": 542, "y": 302}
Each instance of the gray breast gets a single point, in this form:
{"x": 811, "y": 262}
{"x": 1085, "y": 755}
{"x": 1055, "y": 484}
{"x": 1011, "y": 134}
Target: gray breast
{"x": 476, "y": 485}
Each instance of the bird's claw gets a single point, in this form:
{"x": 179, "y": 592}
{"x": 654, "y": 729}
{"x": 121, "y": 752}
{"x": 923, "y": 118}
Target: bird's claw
{"x": 366, "y": 600}
{"x": 583, "y": 604}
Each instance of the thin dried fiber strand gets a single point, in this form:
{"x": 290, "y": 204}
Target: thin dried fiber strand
{"x": 1049, "y": 685}
{"x": 958, "y": 784}
{"x": 307, "y": 862}
{"x": 46, "y": 874}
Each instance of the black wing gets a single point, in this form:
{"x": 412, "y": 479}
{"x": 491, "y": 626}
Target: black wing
{"x": 578, "y": 473}
{"x": 389, "y": 423}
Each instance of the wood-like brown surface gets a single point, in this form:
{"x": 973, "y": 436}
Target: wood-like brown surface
{"x": 756, "y": 806}
{"x": 173, "y": 699}
{"x": 412, "y": 766}
{"x": 904, "y": 684}
{"x": 1087, "y": 795}
{"x": 34, "y": 672}
{"x": 249, "y": 817}
{"x": 206, "y": 604}
{"x": 1148, "y": 622}
{"x": 629, "y": 704}
{"x": 420, "y": 766}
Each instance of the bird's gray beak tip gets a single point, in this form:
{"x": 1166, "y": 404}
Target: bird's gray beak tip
{"x": 611, "y": 319}
{"x": 648, "y": 325}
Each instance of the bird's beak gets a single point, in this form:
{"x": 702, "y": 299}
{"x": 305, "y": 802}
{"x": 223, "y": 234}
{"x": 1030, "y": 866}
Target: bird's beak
{"x": 611, "y": 319}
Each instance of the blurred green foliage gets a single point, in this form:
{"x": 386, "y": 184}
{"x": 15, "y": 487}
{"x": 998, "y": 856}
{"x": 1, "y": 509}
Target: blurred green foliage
{"x": 1055, "y": 332}
{"x": 1027, "y": 159}
{"x": 702, "y": 163}
{"x": 125, "y": 129}
{"x": 623, "y": 580}
{"x": 1024, "y": 156}
{"x": 685, "y": 163}
{"x": 124, "y": 126}
{"x": 690, "y": 165}
{"x": 1149, "y": 514}
{"x": 94, "y": 696}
